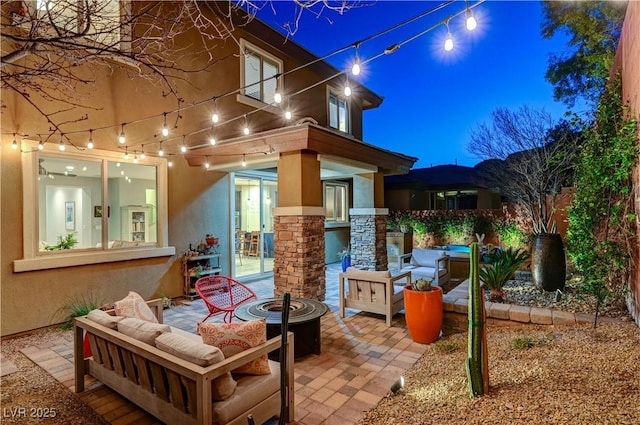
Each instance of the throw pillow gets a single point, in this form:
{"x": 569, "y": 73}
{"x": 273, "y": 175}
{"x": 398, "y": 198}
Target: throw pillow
{"x": 233, "y": 338}
{"x": 142, "y": 330}
{"x": 201, "y": 354}
{"x": 133, "y": 305}
{"x": 103, "y": 318}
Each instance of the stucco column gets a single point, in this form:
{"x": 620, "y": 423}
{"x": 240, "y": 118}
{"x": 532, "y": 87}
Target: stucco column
{"x": 369, "y": 223}
{"x": 299, "y": 228}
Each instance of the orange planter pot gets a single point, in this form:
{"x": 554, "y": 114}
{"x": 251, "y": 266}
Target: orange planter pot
{"x": 423, "y": 312}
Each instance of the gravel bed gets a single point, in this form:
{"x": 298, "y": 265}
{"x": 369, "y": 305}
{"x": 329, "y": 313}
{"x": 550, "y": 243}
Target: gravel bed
{"x": 571, "y": 299}
{"x": 556, "y": 380}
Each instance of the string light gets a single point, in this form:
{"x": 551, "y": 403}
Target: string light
{"x": 165, "y": 129}
{"x": 287, "y": 114}
{"x": 470, "y": 19}
{"x": 347, "y": 89}
{"x": 183, "y": 148}
{"x": 142, "y": 154}
{"x": 170, "y": 163}
{"x": 90, "y": 142}
{"x": 126, "y": 153}
{"x": 14, "y": 144}
{"x": 215, "y": 117}
{"x": 122, "y": 139}
{"x": 246, "y": 129}
{"x": 448, "y": 43}
{"x": 135, "y": 157}
{"x": 244, "y": 160}
{"x": 40, "y": 145}
{"x": 355, "y": 69}
{"x": 212, "y": 138}
{"x": 160, "y": 151}
{"x": 61, "y": 145}
{"x": 206, "y": 162}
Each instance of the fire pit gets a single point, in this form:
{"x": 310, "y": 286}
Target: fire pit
{"x": 304, "y": 321}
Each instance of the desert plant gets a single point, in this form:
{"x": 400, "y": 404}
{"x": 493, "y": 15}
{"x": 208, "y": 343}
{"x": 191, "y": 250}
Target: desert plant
{"x": 77, "y": 307}
{"x": 495, "y": 277}
{"x": 421, "y": 284}
{"x": 510, "y": 257}
{"x": 477, "y": 363}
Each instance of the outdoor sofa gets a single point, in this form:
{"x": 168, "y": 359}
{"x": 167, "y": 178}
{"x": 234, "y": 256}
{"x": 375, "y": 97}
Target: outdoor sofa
{"x": 175, "y": 390}
{"x": 426, "y": 263}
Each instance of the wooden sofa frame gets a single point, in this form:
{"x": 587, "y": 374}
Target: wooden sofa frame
{"x": 174, "y": 390}
{"x": 373, "y": 295}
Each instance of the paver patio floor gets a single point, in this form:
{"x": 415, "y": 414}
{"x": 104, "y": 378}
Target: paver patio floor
{"x": 361, "y": 358}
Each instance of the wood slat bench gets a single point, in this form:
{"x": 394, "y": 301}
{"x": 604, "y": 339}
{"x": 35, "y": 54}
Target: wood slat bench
{"x": 170, "y": 388}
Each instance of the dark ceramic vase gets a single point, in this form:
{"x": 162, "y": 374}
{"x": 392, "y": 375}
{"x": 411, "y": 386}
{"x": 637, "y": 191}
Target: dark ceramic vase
{"x": 548, "y": 264}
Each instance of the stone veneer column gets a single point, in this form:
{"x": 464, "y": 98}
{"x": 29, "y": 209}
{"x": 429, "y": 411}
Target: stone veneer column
{"x": 369, "y": 238}
{"x": 299, "y": 252}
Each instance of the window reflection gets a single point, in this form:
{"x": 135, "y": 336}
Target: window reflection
{"x": 71, "y": 210}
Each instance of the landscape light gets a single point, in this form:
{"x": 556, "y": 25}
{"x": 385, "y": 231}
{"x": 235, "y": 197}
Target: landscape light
{"x": 398, "y": 385}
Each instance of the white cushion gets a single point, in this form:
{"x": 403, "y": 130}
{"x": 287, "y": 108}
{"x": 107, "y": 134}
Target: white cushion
{"x": 374, "y": 275}
{"x": 425, "y": 257}
{"x": 142, "y": 330}
{"x": 105, "y": 319}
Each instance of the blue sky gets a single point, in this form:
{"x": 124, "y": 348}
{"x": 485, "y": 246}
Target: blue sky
{"x": 434, "y": 99}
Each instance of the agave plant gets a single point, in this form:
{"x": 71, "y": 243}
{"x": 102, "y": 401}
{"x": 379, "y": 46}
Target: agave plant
{"x": 494, "y": 278}
{"x": 510, "y": 257}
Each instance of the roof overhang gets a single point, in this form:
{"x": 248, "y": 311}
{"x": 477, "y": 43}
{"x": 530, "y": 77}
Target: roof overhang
{"x": 340, "y": 155}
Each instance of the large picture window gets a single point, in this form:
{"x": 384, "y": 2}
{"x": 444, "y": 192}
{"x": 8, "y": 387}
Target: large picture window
{"x": 92, "y": 202}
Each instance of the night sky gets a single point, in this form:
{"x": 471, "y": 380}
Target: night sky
{"x": 433, "y": 99}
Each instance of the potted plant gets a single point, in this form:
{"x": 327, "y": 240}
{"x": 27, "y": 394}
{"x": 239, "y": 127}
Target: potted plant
{"x": 423, "y": 311}
{"x": 345, "y": 257}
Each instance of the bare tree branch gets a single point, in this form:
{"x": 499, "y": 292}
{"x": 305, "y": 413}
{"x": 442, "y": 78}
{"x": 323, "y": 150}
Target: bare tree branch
{"x": 528, "y": 157}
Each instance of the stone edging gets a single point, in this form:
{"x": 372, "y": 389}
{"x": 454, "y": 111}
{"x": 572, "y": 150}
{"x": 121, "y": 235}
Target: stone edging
{"x": 457, "y": 300}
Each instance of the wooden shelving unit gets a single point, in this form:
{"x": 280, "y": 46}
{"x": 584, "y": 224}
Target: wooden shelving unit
{"x": 194, "y": 267}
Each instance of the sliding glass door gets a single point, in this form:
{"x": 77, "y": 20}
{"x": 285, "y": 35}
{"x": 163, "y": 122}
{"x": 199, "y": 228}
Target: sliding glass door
{"x": 255, "y": 198}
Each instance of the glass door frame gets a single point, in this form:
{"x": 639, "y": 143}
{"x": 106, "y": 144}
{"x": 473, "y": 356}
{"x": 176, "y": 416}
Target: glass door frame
{"x": 238, "y": 221}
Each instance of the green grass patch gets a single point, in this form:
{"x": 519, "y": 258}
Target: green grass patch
{"x": 446, "y": 346}
{"x": 527, "y": 341}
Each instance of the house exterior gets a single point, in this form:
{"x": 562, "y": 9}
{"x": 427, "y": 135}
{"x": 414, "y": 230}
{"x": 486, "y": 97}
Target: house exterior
{"x": 442, "y": 187}
{"x": 307, "y": 186}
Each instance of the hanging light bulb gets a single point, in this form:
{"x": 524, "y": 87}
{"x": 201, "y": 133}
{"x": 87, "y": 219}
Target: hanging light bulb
{"x": 277, "y": 97}
{"x": 14, "y": 144}
{"x": 126, "y": 153}
{"x": 287, "y": 114}
{"x": 160, "y": 151}
{"x": 142, "y": 154}
{"x": 448, "y": 43}
{"x": 90, "y": 142}
{"x": 347, "y": 89}
{"x": 165, "y": 129}
{"x": 244, "y": 160}
{"x": 246, "y": 129}
{"x": 183, "y": 148}
{"x": 212, "y": 140}
{"x": 40, "y": 145}
{"x": 471, "y": 20}
{"x": 355, "y": 69}
{"x": 206, "y": 162}
{"x": 135, "y": 157}
{"x": 122, "y": 139}
{"x": 214, "y": 116}
{"x": 61, "y": 145}
{"x": 170, "y": 163}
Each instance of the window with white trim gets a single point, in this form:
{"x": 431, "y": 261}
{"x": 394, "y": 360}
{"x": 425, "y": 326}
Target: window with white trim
{"x": 81, "y": 206}
{"x": 260, "y": 73}
{"x": 70, "y": 17}
{"x": 338, "y": 112}
{"x": 336, "y": 202}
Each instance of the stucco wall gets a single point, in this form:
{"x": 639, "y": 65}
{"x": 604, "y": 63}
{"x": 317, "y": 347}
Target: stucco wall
{"x": 198, "y": 201}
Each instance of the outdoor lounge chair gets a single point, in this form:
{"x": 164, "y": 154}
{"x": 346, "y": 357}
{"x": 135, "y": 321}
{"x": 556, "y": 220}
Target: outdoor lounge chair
{"x": 223, "y": 294}
{"x": 373, "y": 291}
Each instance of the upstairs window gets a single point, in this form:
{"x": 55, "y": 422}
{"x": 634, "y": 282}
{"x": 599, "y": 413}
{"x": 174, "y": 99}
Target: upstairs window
{"x": 260, "y": 72}
{"x": 69, "y": 17}
{"x": 338, "y": 112}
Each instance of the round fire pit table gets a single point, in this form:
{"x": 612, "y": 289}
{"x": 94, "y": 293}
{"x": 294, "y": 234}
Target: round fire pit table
{"x": 304, "y": 321}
